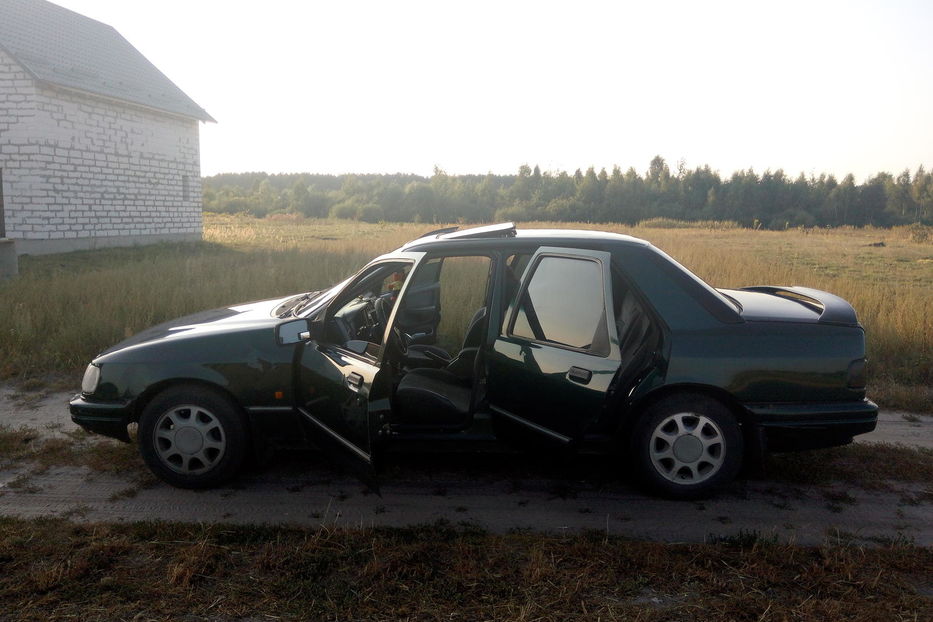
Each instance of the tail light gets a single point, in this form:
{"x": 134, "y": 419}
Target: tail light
{"x": 855, "y": 378}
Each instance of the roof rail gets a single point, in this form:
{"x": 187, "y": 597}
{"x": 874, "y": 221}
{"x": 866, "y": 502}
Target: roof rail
{"x": 500, "y": 230}
{"x": 438, "y": 232}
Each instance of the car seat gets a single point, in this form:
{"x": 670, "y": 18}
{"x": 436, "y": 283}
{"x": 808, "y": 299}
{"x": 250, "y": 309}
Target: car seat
{"x": 423, "y": 355}
{"x": 443, "y": 396}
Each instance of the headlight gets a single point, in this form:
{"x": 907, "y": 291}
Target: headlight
{"x": 91, "y": 378}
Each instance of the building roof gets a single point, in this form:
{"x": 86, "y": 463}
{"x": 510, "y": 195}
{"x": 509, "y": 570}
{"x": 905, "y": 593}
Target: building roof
{"x": 62, "y": 48}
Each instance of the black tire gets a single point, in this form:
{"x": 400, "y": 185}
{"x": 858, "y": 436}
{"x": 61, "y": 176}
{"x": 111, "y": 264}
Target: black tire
{"x": 193, "y": 437}
{"x": 686, "y": 445}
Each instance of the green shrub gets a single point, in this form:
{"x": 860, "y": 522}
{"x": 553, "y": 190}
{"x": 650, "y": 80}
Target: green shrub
{"x": 344, "y": 209}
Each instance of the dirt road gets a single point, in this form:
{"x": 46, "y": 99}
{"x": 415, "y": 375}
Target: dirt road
{"x": 500, "y": 493}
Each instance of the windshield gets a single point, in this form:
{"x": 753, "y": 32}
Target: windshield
{"x": 304, "y": 305}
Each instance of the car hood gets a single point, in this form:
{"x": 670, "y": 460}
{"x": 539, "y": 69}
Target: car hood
{"x": 237, "y": 318}
{"x": 792, "y": 304}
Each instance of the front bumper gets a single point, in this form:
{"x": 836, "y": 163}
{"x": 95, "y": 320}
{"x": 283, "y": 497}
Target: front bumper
{"x": 795, "y": 427}
{"x": 107, "y": 418}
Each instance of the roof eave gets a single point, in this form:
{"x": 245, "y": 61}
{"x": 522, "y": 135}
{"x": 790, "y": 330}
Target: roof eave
{"x": 204, "y": 116}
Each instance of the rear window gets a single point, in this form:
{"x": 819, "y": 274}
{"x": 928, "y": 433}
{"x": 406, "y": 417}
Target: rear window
{"x": 682, "y": 299}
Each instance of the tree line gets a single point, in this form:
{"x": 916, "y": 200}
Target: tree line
{"x": 768, "y": 200}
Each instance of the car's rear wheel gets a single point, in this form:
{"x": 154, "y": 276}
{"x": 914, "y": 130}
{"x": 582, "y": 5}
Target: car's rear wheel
{"x": 192, "y": 437}
{"x": 684, "y": 446}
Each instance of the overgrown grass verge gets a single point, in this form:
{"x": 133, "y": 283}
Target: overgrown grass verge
{"x": 25, "y": 446}
{"x": 897, "y": 396}
{"x": 53, "y": 569}
{"x": 866, "y": 465}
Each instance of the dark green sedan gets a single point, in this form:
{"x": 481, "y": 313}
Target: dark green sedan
{"x": 492, "y": 336}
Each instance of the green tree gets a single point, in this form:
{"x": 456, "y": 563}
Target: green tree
{"x": 841, "y": 202}
{"x": 900, "y": 204}
{"x": 299, "y": 198}
{"x": 423, "y": 201}
{"x": 589, "y": 196}
{"x": 922, "y": 194}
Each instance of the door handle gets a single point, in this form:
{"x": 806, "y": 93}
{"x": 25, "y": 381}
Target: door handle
{"x": 355, "y": 380}
{"x": 578, "y": 374}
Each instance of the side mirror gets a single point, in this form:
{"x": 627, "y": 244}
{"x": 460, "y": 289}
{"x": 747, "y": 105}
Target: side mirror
{"x": 296, "y": 331}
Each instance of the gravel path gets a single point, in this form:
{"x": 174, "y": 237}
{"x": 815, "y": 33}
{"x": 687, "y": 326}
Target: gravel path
{"x": 302, "y": 490}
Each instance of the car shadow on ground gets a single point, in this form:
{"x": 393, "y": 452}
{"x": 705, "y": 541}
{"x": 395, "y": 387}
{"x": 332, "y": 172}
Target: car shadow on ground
{"x": 560, "y": 475}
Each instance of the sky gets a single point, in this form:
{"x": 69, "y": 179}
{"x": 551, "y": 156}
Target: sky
{"x": 476, "y": 87}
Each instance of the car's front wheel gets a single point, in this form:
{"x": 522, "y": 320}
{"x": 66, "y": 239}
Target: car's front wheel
{"x": 684, "y": 446}
{"x": 192, "y": 437}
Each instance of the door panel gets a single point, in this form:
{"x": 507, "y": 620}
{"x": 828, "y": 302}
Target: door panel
{"x": 334, "y": 392}
{"x": 536, "y": 382}
{"x": 556, "y": 357}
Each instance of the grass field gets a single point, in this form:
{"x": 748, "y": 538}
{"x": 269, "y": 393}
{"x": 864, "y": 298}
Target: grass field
{"x": 53, "y": 569}
{"x": 63, "y": 309}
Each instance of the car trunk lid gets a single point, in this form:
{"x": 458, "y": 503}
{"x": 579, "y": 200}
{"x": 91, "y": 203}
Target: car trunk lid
{"x": 792, "y": 304}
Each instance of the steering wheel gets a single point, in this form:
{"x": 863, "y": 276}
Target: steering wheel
{"x": 382, "y": 306}
{"x": 369, "y": 327}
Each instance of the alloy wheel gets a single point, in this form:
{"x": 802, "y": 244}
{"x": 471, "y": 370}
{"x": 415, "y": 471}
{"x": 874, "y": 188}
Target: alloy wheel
{"x": 189, "y": 439}
{"x": 687, "y": 448}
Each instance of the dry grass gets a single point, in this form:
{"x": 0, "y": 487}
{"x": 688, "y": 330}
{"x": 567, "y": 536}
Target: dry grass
{"x": 463, "y": 291}
{"x": 52, "y": 569}
{"x": 64, "y": 309}
{"x": 24, "y": 446}
{"x": 867, "y": 465}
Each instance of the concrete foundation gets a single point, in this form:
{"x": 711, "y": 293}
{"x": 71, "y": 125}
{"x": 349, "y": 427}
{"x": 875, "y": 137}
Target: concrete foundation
{"x": 9, "y": 265}
{"x": 46, "y": 247}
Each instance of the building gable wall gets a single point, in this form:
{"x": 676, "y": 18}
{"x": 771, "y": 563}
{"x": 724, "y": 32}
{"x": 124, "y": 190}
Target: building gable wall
{"x": 81, "y": 171}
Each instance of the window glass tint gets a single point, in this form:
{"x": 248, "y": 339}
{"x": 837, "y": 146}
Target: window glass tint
{"x": 564, "y": 304}
{"x": 514, "y": 268}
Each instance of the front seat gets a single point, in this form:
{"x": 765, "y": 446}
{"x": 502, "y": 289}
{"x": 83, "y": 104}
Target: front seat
{"x": 443, "y": 397}
{"x": 422, "y": 355}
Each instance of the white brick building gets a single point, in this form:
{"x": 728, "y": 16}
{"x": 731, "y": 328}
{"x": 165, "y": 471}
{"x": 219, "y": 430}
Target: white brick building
{"x": 97, "y": 147}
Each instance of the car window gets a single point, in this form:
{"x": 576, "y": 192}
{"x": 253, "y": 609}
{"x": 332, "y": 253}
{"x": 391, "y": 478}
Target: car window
{"x": 420, "y": 292}
{"x": 380, "y": 280}
{"x": 514, "y": 268}
{"x": 564, "y": 304}
{"x": 631, "y": 320}
{"x": 361, "y": 310}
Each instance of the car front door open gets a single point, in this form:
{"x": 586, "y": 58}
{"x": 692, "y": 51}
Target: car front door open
{"x": 342, "y": 387}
